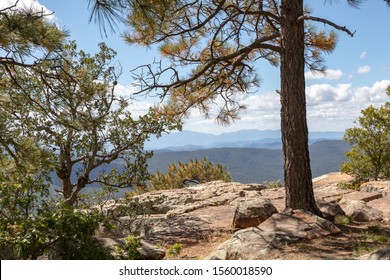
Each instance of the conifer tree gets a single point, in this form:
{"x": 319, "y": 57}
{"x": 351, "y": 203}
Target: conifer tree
{"x": 217, "y": 43}
{"x": 72, "y": 112}
{"x": 197, "y": 171}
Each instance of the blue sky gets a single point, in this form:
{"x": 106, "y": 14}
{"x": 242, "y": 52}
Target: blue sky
{"x": 358, "y": 70}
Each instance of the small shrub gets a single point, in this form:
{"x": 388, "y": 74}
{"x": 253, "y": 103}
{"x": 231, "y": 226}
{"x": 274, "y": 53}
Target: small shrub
{"x": 342, "y": 220}
{"x": 60, "y": 231}
{"x": 175, "y": 249}
{"x": 277, "y": 184}
{"x": 354, "y": 185}
{"x": 203, "y": 171}
{"x": 129, "y": 250}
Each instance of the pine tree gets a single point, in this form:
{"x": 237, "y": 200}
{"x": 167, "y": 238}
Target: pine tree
{"x": 72, "y": 112}
{"x": 219, "y": 41}
{"x": 193, "y": 171}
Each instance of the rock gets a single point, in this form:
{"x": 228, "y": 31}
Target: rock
{"x": 359, "y": 211}
{"x": 329, "y": 209}
{"x": 330, "y": 193}
{"x": 277, "y": 231}
{"x": 331, "y": 179}
{"x": 299, "y": 223}
{"x": 382, "y": 254}
{"x": 382, "y": 204}
{"x": 252, "y": 212}
{"x": 150, "y": 252}
{"x": 361, "y": 195}
{"x": 382, "y": 187}
{"x": 147, "y": 251}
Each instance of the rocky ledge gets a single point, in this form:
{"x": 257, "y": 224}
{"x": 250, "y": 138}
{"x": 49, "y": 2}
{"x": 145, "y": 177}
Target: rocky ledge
{"x": 253, "y": 215}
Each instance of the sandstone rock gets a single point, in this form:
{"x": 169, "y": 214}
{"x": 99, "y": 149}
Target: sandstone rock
{"x": 330, "y": 193}
{"x": 382, "y": 254}
{"x": 331, "y": 179}
{"x": 361, "y": 195}
{"x": 329, "y": 209}
{"x": 147, "y": 251}
{"x": 252, "y": 212}
{"x": 359, "y": 211}
{"x": 382, "y": 187}
{"x": 275, "y": 232}
{"x": 299, "y": 223}
{"x": 382, "y": 204}
{"x": 150, "y": 252}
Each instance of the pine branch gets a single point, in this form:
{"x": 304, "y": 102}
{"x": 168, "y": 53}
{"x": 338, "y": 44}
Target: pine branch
{"x": 325, "y": 21}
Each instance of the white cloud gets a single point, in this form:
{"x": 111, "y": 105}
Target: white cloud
{"x": 125, "y": 91}
{"x": 363, "y": 55}
{"x": 364, "y": 69}
{"x": 328, "y": 108}
{"x": 27, "y": 4}
{"x": 329, "y": 74}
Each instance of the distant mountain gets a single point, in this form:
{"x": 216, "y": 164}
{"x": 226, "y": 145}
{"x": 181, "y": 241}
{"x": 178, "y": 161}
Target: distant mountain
{"x": 249, "y": 165}
{"x": 262, "y": 139}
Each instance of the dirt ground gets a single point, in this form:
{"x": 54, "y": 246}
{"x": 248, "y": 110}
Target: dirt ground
{"x": 355, "y": 240}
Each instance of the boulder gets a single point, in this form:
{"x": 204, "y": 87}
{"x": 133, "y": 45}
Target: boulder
{"x": 277, "y": 231}
{"x": 250, "y": 213}
{"x": 382, "y": 204}
{"x": 147, "y": 250}
{"x": 329, "y": 209}
{"x": 382, "y": 187}
{"x": 331, "y": 179}
{"x": 150, "y": 252}
{"x": 361, "y": 195}
{"x": 382, "y": 254}
{"x": 359, "y": 211}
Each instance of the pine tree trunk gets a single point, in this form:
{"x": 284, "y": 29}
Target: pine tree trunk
{"x": 297, "y": 171}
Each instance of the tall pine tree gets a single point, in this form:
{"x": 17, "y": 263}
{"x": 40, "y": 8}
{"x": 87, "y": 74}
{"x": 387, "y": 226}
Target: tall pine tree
{"x": 216, "y": 43}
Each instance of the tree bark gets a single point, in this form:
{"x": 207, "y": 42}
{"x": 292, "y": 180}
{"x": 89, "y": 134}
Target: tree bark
{"x": 297, "y": 171}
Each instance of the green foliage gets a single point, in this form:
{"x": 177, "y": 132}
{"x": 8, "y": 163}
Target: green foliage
{"x": 369, "y": 157}
{"x": 342, "y": 220}
{"x": 26, "y": 34}
{"x": 75, "y": 114}
{"x": 57, "y": 230}
{"x": 203, "y": 171}
{"x": 129, "y": 250}
{"x": 277, "y": 184}
{"x": 175, "y": 249}
{"x": 354, "y": 185}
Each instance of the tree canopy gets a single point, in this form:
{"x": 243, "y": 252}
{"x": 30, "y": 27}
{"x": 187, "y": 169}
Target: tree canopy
{"x": 369, "y": 157}
{"x": 210, "y": 49}
{"x": 71, "y": 110}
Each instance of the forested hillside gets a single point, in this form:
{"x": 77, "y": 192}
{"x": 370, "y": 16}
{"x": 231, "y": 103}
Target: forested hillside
{"x": 257, "y": 165}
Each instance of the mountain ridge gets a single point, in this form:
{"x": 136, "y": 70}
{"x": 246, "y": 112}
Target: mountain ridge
{"x": 192, "y": 140}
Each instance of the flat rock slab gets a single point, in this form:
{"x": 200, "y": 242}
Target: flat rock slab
{"x": 361, "y": 195}
{"x": 275, "y": 232}
{"x": 330, "y": 193}
{"x": 382, "y": 204}
{"x": 219, "y": 217}
{"x": 382, "y": 187}
{"x": 331, "y": 179}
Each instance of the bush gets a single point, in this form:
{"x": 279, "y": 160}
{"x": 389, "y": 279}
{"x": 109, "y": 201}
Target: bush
{"x": 59, "y": 231}
{"x": 369, "y": 157}
{"x": 202, "y": 171}
{"x": 175, "y": 249}
{"x": 129, "y": 250}
{"x": 273, "y": 184}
